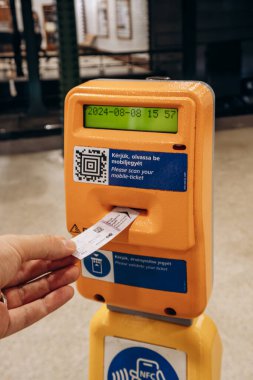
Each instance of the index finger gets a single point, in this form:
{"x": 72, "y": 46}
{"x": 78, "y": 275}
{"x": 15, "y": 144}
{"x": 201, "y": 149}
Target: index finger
{"x": 46, "y": 247}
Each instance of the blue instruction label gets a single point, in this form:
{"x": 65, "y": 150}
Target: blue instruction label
{"x": 139, "y": 271}
{"x": 130, "y": 168}
{"x": 150, "y": 272}
{"x": 148, "y": 170}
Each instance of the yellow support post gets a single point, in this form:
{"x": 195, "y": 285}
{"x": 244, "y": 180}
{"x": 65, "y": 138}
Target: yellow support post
{"x": 130, "y": 347}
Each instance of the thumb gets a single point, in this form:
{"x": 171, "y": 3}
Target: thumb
{"x": 47, "y": 247}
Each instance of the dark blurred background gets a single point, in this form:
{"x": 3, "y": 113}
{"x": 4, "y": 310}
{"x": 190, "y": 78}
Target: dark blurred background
{"x": 47, "y": 47}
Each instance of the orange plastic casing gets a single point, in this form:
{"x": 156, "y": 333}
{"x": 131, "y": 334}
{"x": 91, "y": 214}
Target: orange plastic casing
{"x": 173, "y": 225}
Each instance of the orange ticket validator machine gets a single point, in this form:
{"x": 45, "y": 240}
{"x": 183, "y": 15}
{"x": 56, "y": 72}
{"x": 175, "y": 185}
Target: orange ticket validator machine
{"x": 144, "y": 144}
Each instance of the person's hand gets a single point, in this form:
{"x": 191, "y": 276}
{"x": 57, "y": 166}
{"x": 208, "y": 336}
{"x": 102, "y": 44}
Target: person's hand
{"x": 34, "y": 275}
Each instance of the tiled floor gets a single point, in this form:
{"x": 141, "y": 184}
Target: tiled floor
{"x": 32, "y": 201}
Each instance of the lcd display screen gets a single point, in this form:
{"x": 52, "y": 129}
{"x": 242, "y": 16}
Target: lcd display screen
{"x": 131, "y": 118}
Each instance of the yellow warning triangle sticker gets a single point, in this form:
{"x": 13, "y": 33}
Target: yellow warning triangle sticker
{"x": 75, "y": 229}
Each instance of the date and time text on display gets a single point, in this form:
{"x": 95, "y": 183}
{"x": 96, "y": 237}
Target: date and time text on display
{"x": 131, "y": 118}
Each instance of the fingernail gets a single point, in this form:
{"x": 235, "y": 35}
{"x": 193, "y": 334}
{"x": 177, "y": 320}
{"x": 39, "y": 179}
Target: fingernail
{"x": 69, "y": 245}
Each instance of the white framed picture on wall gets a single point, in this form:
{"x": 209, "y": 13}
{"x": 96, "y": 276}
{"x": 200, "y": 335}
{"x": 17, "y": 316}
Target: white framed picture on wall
{"x": 124, "y": 19}
{"x": 103, "y": 22}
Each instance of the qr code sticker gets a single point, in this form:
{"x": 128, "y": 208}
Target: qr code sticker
{"x": 91, "y": 165}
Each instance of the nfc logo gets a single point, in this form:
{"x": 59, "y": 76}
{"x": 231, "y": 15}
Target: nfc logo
{"x": 139, "y": 363}
{"x": 145, "y": 370}
{"x": 122, "y": 374}
{"x": 147, "y": 375}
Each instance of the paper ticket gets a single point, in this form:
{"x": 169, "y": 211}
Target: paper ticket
{"x": 102, "y": 232}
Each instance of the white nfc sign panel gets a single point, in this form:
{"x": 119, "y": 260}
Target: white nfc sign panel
{"x": 131, "y": 360}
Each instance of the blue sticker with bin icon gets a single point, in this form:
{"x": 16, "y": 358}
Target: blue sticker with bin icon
{"x": 97, "y": 264}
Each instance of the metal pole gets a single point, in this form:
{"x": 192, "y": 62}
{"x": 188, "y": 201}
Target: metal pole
{"x": 151, "y": 35}
{"x": 189, "y": 39}
{"x": 36, "y": 106}
{"x": 16, "y": 40}
{"x": 68, "y": 51}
